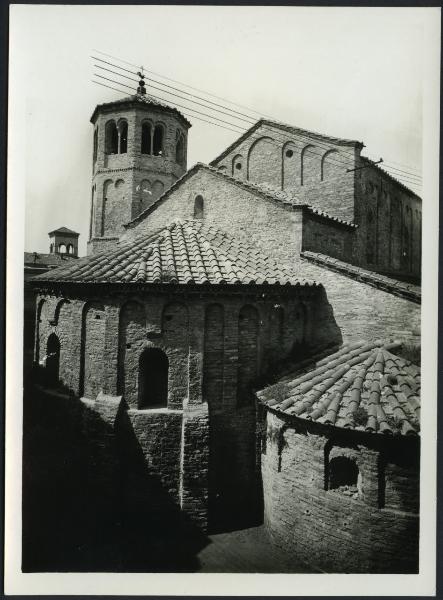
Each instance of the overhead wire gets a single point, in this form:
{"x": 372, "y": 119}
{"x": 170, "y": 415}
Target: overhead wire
{"x": 405, "y": 175}
{"x": 212, "y": 95}
{"x": 330, "y": 179}
{"x": 240, "y": 129}
{"x": 411, "y": 177}
{"x": 198, "y": 89}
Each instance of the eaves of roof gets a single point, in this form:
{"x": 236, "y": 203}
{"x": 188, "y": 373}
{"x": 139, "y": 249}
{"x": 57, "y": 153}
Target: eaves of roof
{"x": 361, "y": 386}
{"x": 182, "y": 253}
{"x": 137, "y": 101}
{"x": 288, "y": 129}
{"x": 283, "y": 199}
{"x": 393, "y": 286}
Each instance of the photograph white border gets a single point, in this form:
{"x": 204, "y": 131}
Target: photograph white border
{"x": 17, "y": 582}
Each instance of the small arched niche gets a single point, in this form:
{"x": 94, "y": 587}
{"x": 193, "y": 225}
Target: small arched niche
{"x": 198, "y": 207}
{"x": 153, "y": 379}
{"x": 53, "y": 359}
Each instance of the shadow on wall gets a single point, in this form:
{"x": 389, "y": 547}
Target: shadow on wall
{"x": 89, "y": 502}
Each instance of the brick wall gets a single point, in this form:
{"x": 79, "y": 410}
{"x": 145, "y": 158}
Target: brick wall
{"x": 388, "y": 238}
{"x": 329, "y": 528}
{"x": 313, "y": 170}
{"x": 92, "y": 350}
{"x": 125, "y": 184}
{"x": 215, "y": 344}
{"x": 239, "y": 211}
{"x": 364, "y": 312}
{"x": 327, "y": 237}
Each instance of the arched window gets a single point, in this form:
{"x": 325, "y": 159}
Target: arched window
{"x": 70, "y": 249}
{"x": 179, "y": 149}
{"x": 153, "y": 379}
{"x": 94, "y": 153}
{"x": 123, "y": 137}
{"x": 343, "y": 474}
{"x": 198, "y": 207}
{"x": 146, "y": 138}
{"x": 53, "y": 358}
{"x": 111, "y": 138}
{"x": 62, "y": 249}
{"x": 158, "y": 140}
{"x": 51, "y": 248}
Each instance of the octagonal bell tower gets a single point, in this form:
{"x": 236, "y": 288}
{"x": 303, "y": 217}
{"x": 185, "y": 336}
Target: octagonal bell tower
{"x": 139, "y": 151}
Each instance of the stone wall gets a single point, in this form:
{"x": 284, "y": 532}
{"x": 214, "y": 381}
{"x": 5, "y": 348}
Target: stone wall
{"x": 335, "y": 529}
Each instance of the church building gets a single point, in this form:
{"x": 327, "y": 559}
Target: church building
{"x": 288, "y": 252}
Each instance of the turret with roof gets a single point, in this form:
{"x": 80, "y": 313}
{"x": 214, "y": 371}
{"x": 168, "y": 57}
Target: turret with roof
{"x": 139, "y": 150}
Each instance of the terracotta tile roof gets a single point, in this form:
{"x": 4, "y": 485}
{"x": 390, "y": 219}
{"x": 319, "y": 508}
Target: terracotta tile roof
{"x": 283, "y": 198}
{"x": 39, "y": 259}
{"x": 394, "y": 286}
{"x": 362, "y": 386}
{"x": 135, "y": 99}
{"x": 181, "y": 253}
{"x": 289, "y": 129}
{"x": 64, "y": 230}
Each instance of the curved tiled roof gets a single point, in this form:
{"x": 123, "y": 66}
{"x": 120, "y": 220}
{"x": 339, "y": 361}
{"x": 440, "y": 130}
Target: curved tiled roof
{"x": 182, "y": 253}
{"x": 264, "y": 191}
{"x": 362, "y": 386}
{"x": 143, "y": 99}
{"x": 388, "y": 284}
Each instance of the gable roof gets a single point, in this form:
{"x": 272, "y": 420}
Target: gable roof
{"x": 285, "y": 199}
{"x": 362, "y": 386}
{"x": 64, "y": 230}
{"x": 188, "y": 252}
{"x": 137, "y": 100}
{"x": 388, "y": 284}
{"x": 287, "y": 129}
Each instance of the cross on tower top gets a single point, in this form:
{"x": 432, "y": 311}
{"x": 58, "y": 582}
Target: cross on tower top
{"x": 141, "y": 84}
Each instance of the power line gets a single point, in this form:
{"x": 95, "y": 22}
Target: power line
{"x": 219, "y": 98}
{"x": 182, "y": 83}
{"x": 171, "y": 87}
{"x": 250, "y": 121}
{"x": 330, "y": 179}
{"x": 184, "y": 113}
{"x": 239, "y": 130}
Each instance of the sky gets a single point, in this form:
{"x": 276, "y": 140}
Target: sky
{"x": 349, "y": 72}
